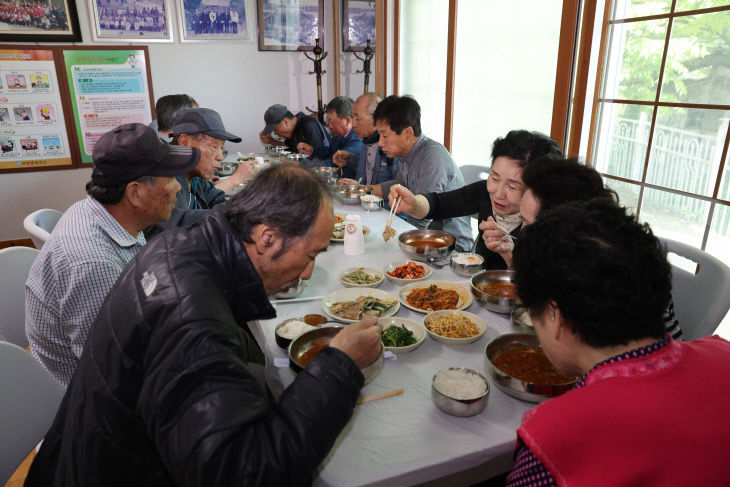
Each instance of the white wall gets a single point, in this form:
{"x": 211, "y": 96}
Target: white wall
{"x": 237, "y": 80}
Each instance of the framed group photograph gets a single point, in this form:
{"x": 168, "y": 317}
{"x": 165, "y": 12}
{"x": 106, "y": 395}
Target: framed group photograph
{"x": 214, "y": 20}
{"x": 358, "y": 24}
{"x": 290, "y": 25}
{"x": 130, "y": 20}
{"x": 49, "y": 21}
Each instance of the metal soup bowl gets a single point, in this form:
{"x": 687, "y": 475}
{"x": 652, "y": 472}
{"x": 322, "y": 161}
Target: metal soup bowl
{"x": 350, "y": 194}
{"x": 440, "y": 244}
{"x": 460, "y": 407}
{"x": 309, "y": 339}
{"x": 493, "y": 302}
{"x": 524, "y": 390}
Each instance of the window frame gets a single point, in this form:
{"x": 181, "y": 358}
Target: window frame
{"x": 654, "y": 105}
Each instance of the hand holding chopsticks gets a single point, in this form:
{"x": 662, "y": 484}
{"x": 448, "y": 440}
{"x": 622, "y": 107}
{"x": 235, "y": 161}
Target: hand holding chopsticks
{"x": 389, "y": 232}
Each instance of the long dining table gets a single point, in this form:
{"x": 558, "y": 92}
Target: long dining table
{"x": 403, "y": 439}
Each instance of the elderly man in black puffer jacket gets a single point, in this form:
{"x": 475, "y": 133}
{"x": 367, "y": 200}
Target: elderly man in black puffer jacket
{"x": 163, "y": 394}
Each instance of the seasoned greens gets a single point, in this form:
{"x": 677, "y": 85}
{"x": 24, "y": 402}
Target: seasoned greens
{"x": 397, "y": 336}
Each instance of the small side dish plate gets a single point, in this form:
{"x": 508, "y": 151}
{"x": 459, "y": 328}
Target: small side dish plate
{"x": 418, "y": 330}
{"x": 351, "y": 294}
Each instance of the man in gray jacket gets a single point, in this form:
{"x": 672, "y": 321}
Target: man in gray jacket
{"x": 424, "y": 165}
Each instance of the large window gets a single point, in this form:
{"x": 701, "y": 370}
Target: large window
{"x": 662, "y": 117}
{"x": 504, "y": 69}
{"x": 423, "y": 37}
{"x": 660, "y": 131}
{"x": 505, "y": 72}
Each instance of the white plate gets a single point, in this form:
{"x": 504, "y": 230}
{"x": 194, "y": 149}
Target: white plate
{"x": 390, "y": 267}
{"x": 465, "y": 297}
{"x": 368, "y": 270}
{"x": 480, "y": 323}
{"x": 419, "y": 333}
{"x": 351, "y": 294}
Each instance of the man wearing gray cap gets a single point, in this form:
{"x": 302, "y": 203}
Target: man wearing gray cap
{"x": 132, "y": 186}
{"x": 292, "y": 128}
{"x": 203, "y": 129}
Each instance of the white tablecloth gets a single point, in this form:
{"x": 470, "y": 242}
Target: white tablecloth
{"x": 403, "y": 440}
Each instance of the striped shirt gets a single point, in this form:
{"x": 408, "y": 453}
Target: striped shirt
{"x": 69, "y": 280}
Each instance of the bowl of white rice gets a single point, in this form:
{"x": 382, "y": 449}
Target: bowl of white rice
{"x": 460, "y": 392}
{"x": 288, "y": 330}
{"x": 466, "y": 264}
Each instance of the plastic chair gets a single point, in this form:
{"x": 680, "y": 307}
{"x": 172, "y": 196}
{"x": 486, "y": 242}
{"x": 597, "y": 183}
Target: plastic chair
{"x": 39, "y": 225}
{"x": 473, "y": 173}
{"x": 28, "y": 403}
{"x": 700, "y": 300}
{"x": 15, "y": 264}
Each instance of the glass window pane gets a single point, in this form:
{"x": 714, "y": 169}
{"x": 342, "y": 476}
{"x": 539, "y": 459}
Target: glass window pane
{"x": 628, "y": 194}
{"x": 626, "y": 9}
{"x": 504, "y": 79}
{"x": 724, "y": 192}
{"x": 632, "y": 70}
{"x": 423, "y": 40}
{"x": 674, "y": 216}
{"x": 698, "y": 60}
{"x": 684, "y": 5}
{"x": 622, "y": 140}
{"x": 686, "y": 149}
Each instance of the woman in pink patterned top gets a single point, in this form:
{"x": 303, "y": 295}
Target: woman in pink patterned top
{"x": 648, "y": 410}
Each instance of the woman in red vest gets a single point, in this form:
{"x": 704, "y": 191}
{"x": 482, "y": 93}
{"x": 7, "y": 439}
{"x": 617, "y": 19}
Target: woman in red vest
{"x": 647, "y": 410}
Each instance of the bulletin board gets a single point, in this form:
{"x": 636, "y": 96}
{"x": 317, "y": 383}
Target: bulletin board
{"x": 56, "y": 101}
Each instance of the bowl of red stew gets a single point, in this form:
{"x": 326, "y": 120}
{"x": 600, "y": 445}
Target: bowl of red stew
{"x": 306, "y": 346}
{"x": 517, "y": 365}
{"x": 495, "y": 290}
{"x": 426, "y": 245}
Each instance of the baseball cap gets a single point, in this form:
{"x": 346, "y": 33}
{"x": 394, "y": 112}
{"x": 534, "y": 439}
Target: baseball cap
{"x": 201, "y": 121}
{"x": 273, "y": 115}
{"x": 133, "y": 150}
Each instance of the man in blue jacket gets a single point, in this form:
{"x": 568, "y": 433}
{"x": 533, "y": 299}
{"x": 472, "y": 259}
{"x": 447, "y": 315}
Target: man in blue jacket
{"x": 373, "y": 165}
{"x": 344, "y": 148}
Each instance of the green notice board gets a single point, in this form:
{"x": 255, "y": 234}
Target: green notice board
{"x": 108, "y": 87}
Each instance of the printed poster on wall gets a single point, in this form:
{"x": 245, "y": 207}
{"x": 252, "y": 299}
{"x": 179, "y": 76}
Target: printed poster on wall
{"x": 107, "y": 88}
{"x": 32, "y": 125}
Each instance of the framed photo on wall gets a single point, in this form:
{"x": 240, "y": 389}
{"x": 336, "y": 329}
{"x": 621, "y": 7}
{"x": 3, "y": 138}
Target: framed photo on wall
{"x": 290, "y": 25}
{"x": 358, "y": 24}
{"x": 214, "y": 20}
{"x": 130, "y": 21}
{"x": 52, "y": 21}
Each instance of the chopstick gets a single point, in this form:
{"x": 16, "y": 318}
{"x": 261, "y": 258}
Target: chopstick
{"x": 383, "y": 395}
{"x": 393, "y": 211}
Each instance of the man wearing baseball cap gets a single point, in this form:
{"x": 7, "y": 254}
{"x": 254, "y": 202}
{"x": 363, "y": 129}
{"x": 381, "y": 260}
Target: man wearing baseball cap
{"x": 132, "y": 186}
{"x": 203, "y": 129}
{"x": 292, "y": 128}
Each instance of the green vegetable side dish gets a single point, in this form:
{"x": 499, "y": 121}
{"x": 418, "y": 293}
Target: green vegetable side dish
{"x": 397, "y": 336}
{"x": 360, "y": 277}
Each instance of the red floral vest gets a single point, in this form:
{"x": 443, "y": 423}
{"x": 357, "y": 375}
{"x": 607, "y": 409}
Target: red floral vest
{"x": 662, "y": 419}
